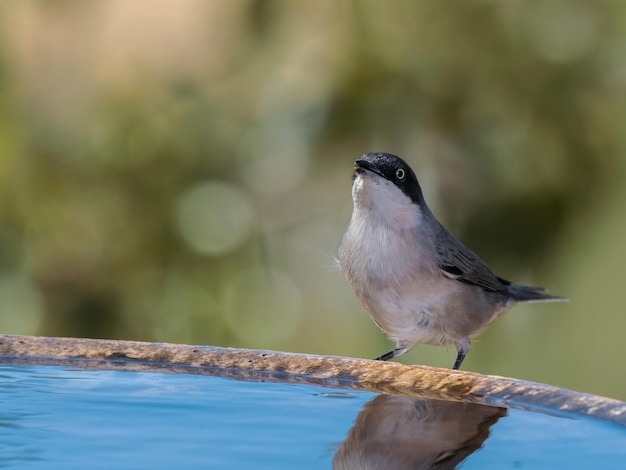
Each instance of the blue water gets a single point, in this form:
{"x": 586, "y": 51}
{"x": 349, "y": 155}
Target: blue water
{"x": 58, "y": 418}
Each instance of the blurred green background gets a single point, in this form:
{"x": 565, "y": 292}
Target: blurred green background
{"x": 180, "y": 171}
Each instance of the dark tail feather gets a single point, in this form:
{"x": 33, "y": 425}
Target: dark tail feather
{"x": 533, "y": 294}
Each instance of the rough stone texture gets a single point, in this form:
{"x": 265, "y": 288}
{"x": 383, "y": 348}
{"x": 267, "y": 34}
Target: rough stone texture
{"x": 336, "y": 372}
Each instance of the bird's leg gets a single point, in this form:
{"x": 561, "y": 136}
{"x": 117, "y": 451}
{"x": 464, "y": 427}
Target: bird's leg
{"x": 391, "y": 354}
{"x": 459, "y": 359}
{"x": 462, "y": 348}
{"x": 386, "y": 356}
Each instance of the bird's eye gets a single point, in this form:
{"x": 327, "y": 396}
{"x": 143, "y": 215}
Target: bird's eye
{"x": 400, "y": 173}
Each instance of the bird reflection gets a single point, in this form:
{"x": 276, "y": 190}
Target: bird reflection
{"x": 395, "y": 432}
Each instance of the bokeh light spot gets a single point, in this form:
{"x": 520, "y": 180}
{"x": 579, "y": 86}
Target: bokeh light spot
{"x": 262, "y": 306}
{"x": 21, "y": 304}
{"x": 562, "y": 31}
{"x": 214, "y": 217}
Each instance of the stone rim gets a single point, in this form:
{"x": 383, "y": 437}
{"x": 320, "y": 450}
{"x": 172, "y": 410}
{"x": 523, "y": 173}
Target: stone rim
{"x": 328, "y": 371}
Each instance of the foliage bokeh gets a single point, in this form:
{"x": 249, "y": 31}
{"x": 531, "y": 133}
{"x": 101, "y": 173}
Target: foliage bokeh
{"x": 180, "y": 171}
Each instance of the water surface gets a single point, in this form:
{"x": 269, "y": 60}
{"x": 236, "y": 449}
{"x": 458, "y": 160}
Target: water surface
{"x": 54, "y": 417}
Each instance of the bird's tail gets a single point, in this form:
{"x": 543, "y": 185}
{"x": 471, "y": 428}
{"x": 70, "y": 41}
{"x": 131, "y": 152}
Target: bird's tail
{"x": 533, "y": 294}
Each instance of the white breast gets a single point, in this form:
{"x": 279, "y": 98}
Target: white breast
{"x": 384, "y": 256}
{"x": 383, "y": 241}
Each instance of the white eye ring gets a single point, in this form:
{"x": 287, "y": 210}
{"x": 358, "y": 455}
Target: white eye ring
{"x": 400, "y": 174}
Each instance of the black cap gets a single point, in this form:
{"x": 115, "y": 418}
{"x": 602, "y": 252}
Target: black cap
{"x": 394, "y": 169}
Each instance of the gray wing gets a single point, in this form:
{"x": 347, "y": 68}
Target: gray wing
{"x": 456, "y": 261}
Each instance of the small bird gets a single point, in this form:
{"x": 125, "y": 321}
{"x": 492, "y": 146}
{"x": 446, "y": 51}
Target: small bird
{"x": 418, "y": 283}
{"x": 398, "y": 432}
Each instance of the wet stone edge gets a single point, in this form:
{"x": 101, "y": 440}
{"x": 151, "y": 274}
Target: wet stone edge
{"x": 326, "y": 371}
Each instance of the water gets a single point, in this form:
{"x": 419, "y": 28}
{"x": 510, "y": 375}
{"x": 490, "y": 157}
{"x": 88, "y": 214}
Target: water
{"x": 58, "y": 418}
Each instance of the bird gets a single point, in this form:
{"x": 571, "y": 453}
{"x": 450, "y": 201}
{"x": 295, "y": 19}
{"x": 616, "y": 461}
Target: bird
{"x": 400, "y": 432}
{"x": 417, "y": 281}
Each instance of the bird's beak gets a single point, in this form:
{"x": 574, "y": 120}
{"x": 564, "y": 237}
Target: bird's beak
{"x": 362, "y": 165}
